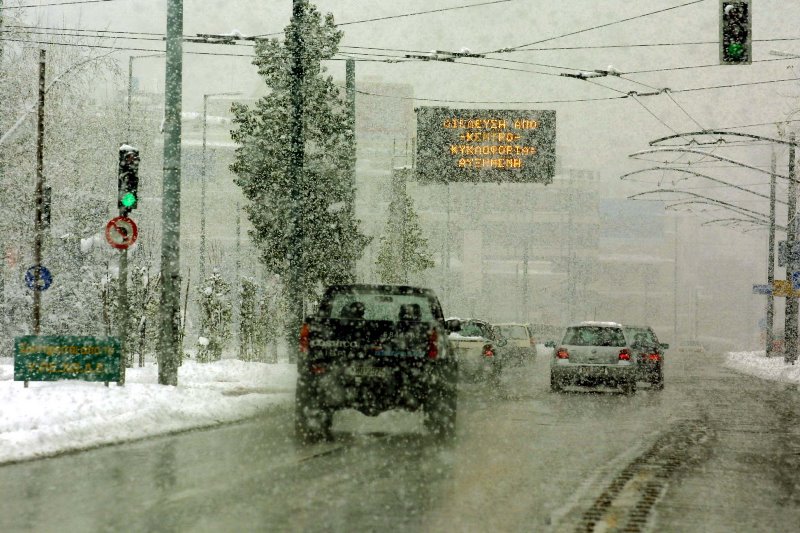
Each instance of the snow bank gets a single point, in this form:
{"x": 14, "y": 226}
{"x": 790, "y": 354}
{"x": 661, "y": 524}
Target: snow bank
{"x": 757, "y": 364}
{"x": 53, "y": 417}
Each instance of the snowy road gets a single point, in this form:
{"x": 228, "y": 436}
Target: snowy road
{"x": 714, "y": 451}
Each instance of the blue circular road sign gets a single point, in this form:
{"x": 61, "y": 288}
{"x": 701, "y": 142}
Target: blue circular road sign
{"x": 44, "y": 281}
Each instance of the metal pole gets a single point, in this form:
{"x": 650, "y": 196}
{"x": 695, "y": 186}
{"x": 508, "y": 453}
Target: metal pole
{"x": 525, "y": 281}
{"x": 122, "y": 316}
{"x": 675, "y": 287}
{"x": 38, "y": 230}
{"x": 202, "y": 258}
{"x": 790, "y": 323}
{"x": 350, "y": 83}
{"x": 2, "y": 187}
{"x": 130, "y": 96}
{"x": 168, "y": 355}
{"x": 771, "y": 258}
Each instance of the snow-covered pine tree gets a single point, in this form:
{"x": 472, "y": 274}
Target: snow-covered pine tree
{"x": 272, "y": 318}
{"x": 331, "y": 240}
{"x": 403, "y": 249}
{"x": 215, "y": 317}
{"x": 248, "y": 320}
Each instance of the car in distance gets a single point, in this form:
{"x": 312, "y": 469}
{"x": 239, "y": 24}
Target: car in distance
{"x": 649, "y": 354}
{"x": 480, "y": 350}
{"x": 543, "y": 333}
{"x": 592, "y": 353}
{"x": 374, "y": 348}
{"x": 521, "y": 345}
{"x": 690, "y": 347}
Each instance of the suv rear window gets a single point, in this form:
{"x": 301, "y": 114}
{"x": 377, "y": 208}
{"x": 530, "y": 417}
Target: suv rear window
{"x": 377, "y": 306}
{"x": 594, "y": 336}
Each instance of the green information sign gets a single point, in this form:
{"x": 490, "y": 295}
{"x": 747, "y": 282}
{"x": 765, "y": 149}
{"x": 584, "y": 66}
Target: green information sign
{"x": 51, "y": 358}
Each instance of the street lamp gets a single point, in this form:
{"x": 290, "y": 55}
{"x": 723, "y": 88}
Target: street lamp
{"x": 202, "y": 273}
{"x": 791, "y": 304}
{"x": 130, "y": 86}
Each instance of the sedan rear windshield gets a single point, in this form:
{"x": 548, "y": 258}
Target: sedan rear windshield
{"x": 644, "y": 335}
{"x": 594, "y": 336}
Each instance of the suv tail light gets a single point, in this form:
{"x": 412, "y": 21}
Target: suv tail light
{"x": 653, "y": 357}
{"x": 533, "y": 342}
{"x": 562, "y": 353}
{"x": 433, "y": 344}
{"x": 488, "y": 351}
{"x": 624, "y": 354}
{"x": 304, "y": 333}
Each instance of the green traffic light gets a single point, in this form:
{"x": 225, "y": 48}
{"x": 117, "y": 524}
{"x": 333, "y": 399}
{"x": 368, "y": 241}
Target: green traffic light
{"x": 128, "y": 199}
{"x": 735, "y": 50}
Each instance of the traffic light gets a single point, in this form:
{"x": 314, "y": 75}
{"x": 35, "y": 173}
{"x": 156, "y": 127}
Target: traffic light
{"x": 735, "y": 42}
{"x": 127, "y": 179}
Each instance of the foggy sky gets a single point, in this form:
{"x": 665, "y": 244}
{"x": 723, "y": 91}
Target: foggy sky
{"x": 593, "y": 135}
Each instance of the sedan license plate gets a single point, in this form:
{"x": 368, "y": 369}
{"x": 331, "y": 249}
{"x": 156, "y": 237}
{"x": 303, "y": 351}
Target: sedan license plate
{"x": 369, "y": 371}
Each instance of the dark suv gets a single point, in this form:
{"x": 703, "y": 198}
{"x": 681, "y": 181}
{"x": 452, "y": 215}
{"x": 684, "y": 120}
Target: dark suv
{"x": 649, "y": 354}
{"x": 375, "y": 348}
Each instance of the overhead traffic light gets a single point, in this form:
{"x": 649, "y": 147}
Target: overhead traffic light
{"x": 128, "y": 179}
{"x": 735, "y": 24}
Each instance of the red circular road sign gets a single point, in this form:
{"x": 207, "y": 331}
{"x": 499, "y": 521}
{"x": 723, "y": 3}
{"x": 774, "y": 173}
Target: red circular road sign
{"x": 121, "y": 232}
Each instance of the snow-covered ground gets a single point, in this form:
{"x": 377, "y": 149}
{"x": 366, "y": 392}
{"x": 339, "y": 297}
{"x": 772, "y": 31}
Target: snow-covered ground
{"x": 48, "y": 418}
{"x": 756, "y": 364}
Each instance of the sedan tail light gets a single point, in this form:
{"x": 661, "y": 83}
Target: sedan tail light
{"x": 304, "y": 334}
{"x": 488, "y": 351}
{"x": 433, "y": 344}
{"x": 654, "y": 357}
{"x": 624, "y": 354}
{"x": 562, "y": 353}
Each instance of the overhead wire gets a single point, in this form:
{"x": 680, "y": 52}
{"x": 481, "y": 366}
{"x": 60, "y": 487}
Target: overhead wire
{"x": 56, "y": 4}
{"x": 404, "y": 15}
{"x": 598, "y": 26}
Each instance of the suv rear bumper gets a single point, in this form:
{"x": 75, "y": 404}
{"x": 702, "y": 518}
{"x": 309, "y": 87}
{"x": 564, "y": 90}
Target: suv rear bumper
{"x": 389, "y": 387}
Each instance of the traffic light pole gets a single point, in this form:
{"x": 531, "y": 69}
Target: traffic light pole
{"x": 123, "y": 321}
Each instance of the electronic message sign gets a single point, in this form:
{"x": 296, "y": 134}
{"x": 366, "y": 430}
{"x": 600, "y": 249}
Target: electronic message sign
{"x": 485, "y": 145}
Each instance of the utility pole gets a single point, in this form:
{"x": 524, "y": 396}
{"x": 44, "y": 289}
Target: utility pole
{"x": 525, "y": 288}
{"x": 675, "y": 287}
{"x": 168, "y": 348}
{"x": 350, "y": 83}
{"x": 202, "y": 270}
{"x": 2, "y": 187}
{"x": 130, "y": 96}
{"x": 790, "y": 323}
{"x": 296, "y": 284}
{"x": 771, "y": 257}
{"x": 39, "y": 199}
